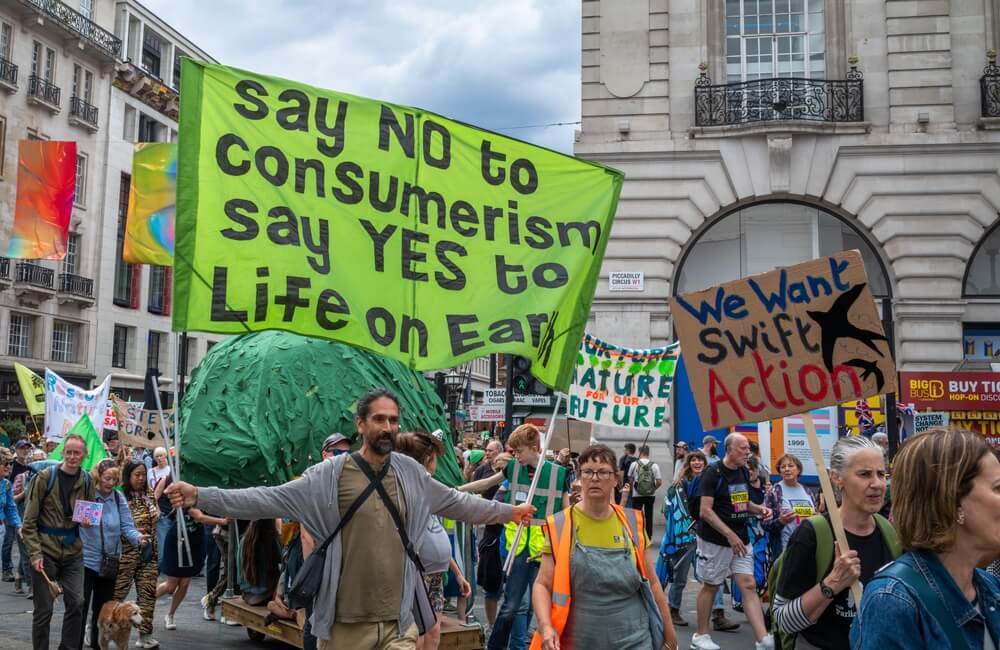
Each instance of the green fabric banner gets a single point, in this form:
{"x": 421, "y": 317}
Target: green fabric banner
{"x": 384, "y": 226}
{"x": 95, "y": 447}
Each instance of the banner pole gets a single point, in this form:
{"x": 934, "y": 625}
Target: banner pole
{"x": 181, "y": 528}
{"x": 534, "y": 484}
{"x": 831, "y": 501}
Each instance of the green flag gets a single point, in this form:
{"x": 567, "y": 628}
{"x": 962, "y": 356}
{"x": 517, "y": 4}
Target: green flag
{"x": 95, "y": 448}
{"x": 384, "y": 226}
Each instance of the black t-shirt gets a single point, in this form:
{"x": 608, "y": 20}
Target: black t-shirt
{"x": 17, "y": 468}
{"x": 485, "y": 471}
{"x": 798, "y": 575}
{"x": 66, "y": 484}
{"x": 732, "y": 501}
{"x": 624, "y": 464}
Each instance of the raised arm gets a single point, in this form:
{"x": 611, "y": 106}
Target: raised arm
{"x": 483, "y": 484}
{"x": 292, "y": 499}
{"x": 460, "y": 506}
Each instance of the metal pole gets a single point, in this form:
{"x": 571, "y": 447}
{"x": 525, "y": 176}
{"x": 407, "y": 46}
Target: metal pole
{"x": 508, "y": 412}
{"x": 892, "y": 429}
{"x": 231, "y": 559}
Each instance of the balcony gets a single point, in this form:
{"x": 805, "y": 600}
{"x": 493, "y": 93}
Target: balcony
{"x": 78, "y": 26}
{"x": 82, "y": 114}
{"x": 44, "y": 93}
{"x": 791, "y": 103}
{"x": 76, "y": 289}
{"x": 989, "y": 91}
{"x": 8, "y": 75}
{"x": 33, "y": 283}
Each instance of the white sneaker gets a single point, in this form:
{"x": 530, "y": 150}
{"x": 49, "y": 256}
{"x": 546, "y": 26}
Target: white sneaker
{"x": 207, "y": 613}
{"x": 704, "y": 642}
{"x": 86, "y": 636}
{"x": 226, "y": 621}
{"x": 147, "y": 641}
{"x": 767, "y": 643}
{"x": 168, "y": 622}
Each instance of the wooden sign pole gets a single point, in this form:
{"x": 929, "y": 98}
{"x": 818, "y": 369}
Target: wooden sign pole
{"x": 831, "y": 501}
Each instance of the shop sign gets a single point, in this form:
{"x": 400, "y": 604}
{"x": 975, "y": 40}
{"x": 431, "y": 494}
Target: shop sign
{"x": 626, "y": 281}
{"x": 952, "y": 391}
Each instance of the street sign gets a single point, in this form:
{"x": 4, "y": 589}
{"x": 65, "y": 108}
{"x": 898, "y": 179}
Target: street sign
{"x": 495, "y": 397}
{"x": 924, "y": 421}
{"x": 486, "y": 413}
{"x": 532, "y": 400}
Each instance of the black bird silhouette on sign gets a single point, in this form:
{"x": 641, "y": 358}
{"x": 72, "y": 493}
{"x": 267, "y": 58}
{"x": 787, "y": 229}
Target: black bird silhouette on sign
{"x": 835, "y": 324}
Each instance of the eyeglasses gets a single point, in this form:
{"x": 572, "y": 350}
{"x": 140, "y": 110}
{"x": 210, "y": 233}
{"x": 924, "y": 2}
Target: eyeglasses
{"x": 602, "y": 474}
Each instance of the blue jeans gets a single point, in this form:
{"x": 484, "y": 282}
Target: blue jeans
{"x": 519, "y": 638}
{"x": 516, "y": 596}
{"x": 162, "y": 526}
{"x": 682, "y": 561}
{"x": 8, "y": 545}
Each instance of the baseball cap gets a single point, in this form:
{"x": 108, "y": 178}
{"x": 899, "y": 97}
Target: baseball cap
{"x": 681, "y": 444}
{"x": 708, "y": 439}
{"x": 23, "y": 442}
{"x": 333, "y": 439}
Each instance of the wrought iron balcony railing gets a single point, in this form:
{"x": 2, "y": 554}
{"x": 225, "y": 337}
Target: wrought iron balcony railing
{"x": 763, "y": 100}
{"x": 83, "y": 111}
{"x": 5, "y": 269}
{"x": 76, "y": 285}
{"x": 8, "y": 72}
{"x": 989, "y": 86}
{"x": 76, "y": 22}
{"x": 33, "y": 274}
{"x": 44, "y": 90}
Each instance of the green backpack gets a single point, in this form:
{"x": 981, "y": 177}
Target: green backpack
{"x": 824, "y": 560}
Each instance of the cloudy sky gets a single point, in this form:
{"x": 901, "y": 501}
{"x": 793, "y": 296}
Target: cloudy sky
{"x": 492, "y": 63}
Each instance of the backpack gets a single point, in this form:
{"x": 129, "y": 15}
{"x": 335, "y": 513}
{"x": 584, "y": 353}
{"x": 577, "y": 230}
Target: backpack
{"x": 645, "y": 480}
{"x": 694, "y": 487}
{"x": 52, "y": 482}
{"x": 824, "y": 560}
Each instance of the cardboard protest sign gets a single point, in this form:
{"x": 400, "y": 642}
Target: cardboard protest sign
{"x": 141, "y": 428}
{"x": 65, "y": 403}
{"x": 379, "y": 225}
{"x": 622, "y": 387}
{"x": 784, "y": 342}
{"x": 926, "y": 421}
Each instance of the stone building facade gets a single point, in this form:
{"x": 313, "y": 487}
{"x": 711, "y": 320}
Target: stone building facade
{"x": 758, "y": 133}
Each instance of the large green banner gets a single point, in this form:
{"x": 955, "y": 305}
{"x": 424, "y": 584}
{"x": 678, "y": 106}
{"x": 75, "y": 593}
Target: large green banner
{"x": 384, "y": 226}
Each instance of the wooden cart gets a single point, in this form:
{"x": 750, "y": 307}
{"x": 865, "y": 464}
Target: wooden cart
{"x": 454, "y": 635}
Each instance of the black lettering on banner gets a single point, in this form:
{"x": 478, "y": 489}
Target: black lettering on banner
{"x": 503, "y": 269}
{"x": 296, "y": 117}
{"x": 508, "y": 330}
{"x": 258, "y": 109}
{"x": 319, "y": 174}
{"x": 331, "y": 302}
{"x": 376, "y": 314}
{"x": 233, "y": 209}
{"x": 349, "y": 173}
{"x": 457, "y": 280}
{"x": 220, "y": 285}
{"x": 335, "y": 132}
{"x": 523, "y": 175}
{"x": 260, "y": 297}
{"x": 291, "y": 299}
{"x": 462, "y": 341}
{"x": 513, "y": 232}
{"x": 280, "y": 174}
{"x": 535, "y": 322}
{"x": 389, "y": 203}
{"x": 285, "y": 231}
{"x": 540, "y": 237}
{"x": 487, "y": 157}
{"x": 222, "y": 159}
{"x": 379, "y": 237}
{"x": 463, "y": 213}
{"x": 320, "y": 247}
{"x": 423, "y": 199}
{"x": 404, "y": 136}
{"x": 590, "y": 233}
{"x": 523, "y": 186}
{"x": 412, "y": 256}
{"x": 411, "y": 326}
{"x": 430, "y": 128}
{"x": 560, "y": 275}
{"x": 709, "y": 338}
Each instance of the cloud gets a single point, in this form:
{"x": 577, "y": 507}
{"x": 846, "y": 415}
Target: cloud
{"x": 494, "y": 64}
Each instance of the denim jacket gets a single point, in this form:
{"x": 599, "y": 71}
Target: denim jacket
{"x": 117, "y": 520}
{"x": 8, "y": 511}
{"x": 892, "y": 617}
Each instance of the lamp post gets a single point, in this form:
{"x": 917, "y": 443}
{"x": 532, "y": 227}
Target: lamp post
{"x": 453, "y": 382}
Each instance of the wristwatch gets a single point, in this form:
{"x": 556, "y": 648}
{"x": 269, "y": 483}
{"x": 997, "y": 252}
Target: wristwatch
{"x": 826, "y": 591}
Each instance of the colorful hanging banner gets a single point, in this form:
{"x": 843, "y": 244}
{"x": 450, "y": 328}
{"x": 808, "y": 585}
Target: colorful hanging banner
{"x": 384, "y": 226}
{"x": 46, "y": 183}
{"x": 149, "y": 232}
{"x": 32, "y": 388}
{"x": 65, "y": 403}
{"x": 622, "y": 387}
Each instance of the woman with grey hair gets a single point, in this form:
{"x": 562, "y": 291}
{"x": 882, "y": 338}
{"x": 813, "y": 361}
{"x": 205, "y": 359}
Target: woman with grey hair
{"x": 815, "y": 604}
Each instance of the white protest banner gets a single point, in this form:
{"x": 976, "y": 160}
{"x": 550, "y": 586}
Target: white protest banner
{"x": 110, "y": 419}
{"x": 622, "y": 387}
{"x": 65, "y": 403}
{"x": 924, "y": 421}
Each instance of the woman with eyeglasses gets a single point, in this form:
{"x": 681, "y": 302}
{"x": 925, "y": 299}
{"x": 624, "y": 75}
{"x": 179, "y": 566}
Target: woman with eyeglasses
{"x": 591, "y": 590}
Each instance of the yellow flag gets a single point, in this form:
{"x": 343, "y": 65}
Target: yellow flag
{"x": 32, "y": 388}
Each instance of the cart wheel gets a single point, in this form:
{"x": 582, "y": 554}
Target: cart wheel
{"x": 255, "y": 635}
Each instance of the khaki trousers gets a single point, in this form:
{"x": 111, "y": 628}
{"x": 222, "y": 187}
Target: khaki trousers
{"x": 374, "y": 636}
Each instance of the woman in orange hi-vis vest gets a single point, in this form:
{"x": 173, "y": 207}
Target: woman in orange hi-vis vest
{"x": 591, "y": 589}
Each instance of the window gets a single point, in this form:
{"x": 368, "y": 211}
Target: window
{"x": 87, "y": 9}
{"x": 159, "y": 290}
{"x": 119, "y": 347}
{"x": 775, "y": 38}
{"x": 64, "y": 337}
{"x": 764, "y": 236}
{"x": 3, "y": 143}
{"x": 153, "y": 349}
{"x": 70, "y": 263}
{"x": 80, "y": 198}
{"x": 6, "y": 40}
{"x": 177, "y": 68}
{"x": 149, "y": 129}
{"x": 50, "y": 64}
{"x": 151, "y": 53}
{"x": 189, "y": 346}
{"x": 19, "y": 335}
{"x": 125, "y": 275}
{"x": 982, "y": 278}
{"x": 83, "y": 83}
{"x": 128, "y": 126}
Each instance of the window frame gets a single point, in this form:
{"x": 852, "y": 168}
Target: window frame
{"x": 3, "y": 143}
{"x": 159, "y": 288}
{"x": 775, "y": 55}
{"x": 6, "y": 49}
{"x": 119, "y": 348}
{"x": 125, "y": 276}
{"x": 992, "y": 231}
{"x": 70, "y": 339}
{"x": 80, "y": 195}
{"x": 26, "y": 326}
{"x": 150, "y": 360}
{"x": 71, "y": 261}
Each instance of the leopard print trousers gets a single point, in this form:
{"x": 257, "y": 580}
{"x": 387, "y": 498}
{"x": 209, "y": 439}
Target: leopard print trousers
{"x": 131, "y": 570}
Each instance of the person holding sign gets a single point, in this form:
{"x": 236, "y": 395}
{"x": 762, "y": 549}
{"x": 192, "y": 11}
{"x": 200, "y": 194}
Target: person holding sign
{"x": 947, "y": 509}
{"x": 366, "y": 602}
{"x": 723, "y": 540}
{"x": 816, "y": 603}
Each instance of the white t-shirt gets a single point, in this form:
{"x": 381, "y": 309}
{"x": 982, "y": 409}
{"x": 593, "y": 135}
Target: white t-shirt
{"x": 798, "y": 500}
{"x": 633, "y": 471}
{"x": 156, "y": 474}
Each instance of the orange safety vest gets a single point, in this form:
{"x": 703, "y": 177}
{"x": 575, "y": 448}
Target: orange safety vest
{"x": 561, "y": 539}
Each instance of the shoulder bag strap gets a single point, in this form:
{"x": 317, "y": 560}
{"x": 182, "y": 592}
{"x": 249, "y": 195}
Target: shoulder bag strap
{"x": 346, "y": 517}
{"x": 930, "y": 600}
{"x": 390, "y": 506}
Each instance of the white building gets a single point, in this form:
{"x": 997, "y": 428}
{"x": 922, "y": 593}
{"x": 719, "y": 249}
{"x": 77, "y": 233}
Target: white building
{"x": 756, "y": 134}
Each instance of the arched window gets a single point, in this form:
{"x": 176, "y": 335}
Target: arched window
{"x": 763, "y": 236}
{"x": 982, "y": 277}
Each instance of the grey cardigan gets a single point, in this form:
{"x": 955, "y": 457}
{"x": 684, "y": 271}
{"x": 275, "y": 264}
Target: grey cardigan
{"x": 312, "y": 501}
